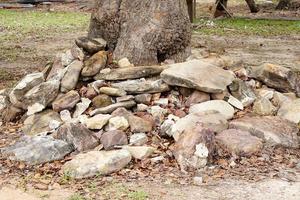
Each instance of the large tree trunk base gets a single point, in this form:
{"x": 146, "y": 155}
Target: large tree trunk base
{"x": 144, "y": 31}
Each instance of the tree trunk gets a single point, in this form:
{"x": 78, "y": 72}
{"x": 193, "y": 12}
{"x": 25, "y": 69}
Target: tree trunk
{"x": 144, "y": 31}
{"x": 190, "y": 4}
{"x": 221, "y": 8}
{"x": 252, "y": 6}
{"x": 283, "y": 4}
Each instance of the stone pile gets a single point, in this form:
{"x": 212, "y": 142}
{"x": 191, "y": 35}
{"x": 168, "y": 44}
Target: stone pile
{"x": 105, "y": 111}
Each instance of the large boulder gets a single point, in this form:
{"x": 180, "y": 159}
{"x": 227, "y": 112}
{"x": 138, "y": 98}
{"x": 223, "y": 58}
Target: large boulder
{"x": 71, "y": 77}
{"x": 274, "y": 130}
{"x": 198, "y": 74}
{"x": 161, "y": 32}
{"x": 37, "y": 150}
{"x": 96, "y": 163}
{"x": 113, "y": 138}
{"x": 94, "y": 64}
{"x": 194, "y": 148}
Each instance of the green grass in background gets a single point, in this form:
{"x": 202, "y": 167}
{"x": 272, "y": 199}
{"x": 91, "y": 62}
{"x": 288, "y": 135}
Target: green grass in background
{"x": 17, "y": 25}
{"x": 240, "y": 26}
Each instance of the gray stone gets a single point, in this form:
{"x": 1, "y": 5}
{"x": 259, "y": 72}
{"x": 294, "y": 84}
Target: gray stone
{"x": 198, "y": 74}
{"x": 39, "y": 123}
{"x": 81, "y": 107}
{"x": 102, "y": 100}
{"x": 91, "y": 45}
{"x": 141, "y": 86}
{"x": 96, "y": 85}
{"x": 194, "y": 148}
{"x": 78, "y": 136}
{"x": 44, "y": 94}
{"x": 66, "y": 101}
{"x": 239, "y": 142}
{"x": 67, "y": 58}
{"x": 37, "y": 150}
{"x": 71, "y": 77}
{"x": 65, "y": 116}
{"x": 235, "y": 102}
{"x": 97, "y": 122}
{"x": 266, "y": 93}
{"x": 212, "y": 120}
{"x": 117, "y": 92}
{"x": 94, "y": 64}
{"x": 162, "y": 102}
{"x": 56, "y": 69}
{"x": 77, "y": 52}
{"x": 112, "y": 107}
{"x": 97, "y": 163}
{"x": 166, "y": 127}
{"x": 290, "y": 110}
{"x": 214, "y": 105}
{"x": 141, "y": 107}
{"x": 138, "y": 139}
{"x": 4, "y": 102}
{"x": 140, "y": 152}
{"x": 129, "y": 73}
{"x": 143, "y": 98}
{"x": 23, "y": 86}
{"x": 278, "y": 77}
{"x": 280, "y": 98}
{"x": 264, "y": 106}
{"x": 197, "y": 97}
{"x": 113, "y": 138}
{"x": 274, "y": 130}
{"x": 240, "y": 90}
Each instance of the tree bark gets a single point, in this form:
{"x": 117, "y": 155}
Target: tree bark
{"x": 221, "y": 8}
{"x": 252, "y": 6}
{"x": 144, "y": 31}
{"x": 283, "y": 4}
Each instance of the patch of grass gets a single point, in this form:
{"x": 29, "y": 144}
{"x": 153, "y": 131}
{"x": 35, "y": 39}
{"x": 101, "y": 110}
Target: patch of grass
{"x": 76, "y": 197}
{"x": 241, "y": 26}
{"x": 18, "y": 27}
{"x": 138, "y": 195}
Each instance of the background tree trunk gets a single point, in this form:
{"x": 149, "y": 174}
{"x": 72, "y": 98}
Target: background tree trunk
{"x": 283, "y": 4}
{"x": 221, "y": 8}
{"x": 252, "y": 6}
{"x": 144, "y": 31}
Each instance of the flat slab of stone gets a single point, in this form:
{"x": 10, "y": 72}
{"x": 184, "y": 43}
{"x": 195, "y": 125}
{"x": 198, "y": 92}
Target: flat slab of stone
{"x": 37, "y": 150}
{"x": 198, "y": 74}
{"x": 109, "y": 109}
{"x": 141, "y": 86}
{"x": 290, "y": 110}
{"x": 97, "y": 163}
{"x": 129, "y": 73}
{"x": 214, "y": 105}
{"x": 239, "y": 142}
{"x": 274, "y": 130}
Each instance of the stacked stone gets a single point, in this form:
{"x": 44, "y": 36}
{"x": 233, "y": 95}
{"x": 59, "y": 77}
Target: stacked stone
{"x": 105, "y": 111}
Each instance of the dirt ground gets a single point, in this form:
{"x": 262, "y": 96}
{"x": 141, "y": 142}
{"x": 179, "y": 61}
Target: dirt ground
{"x": 252, "y": 50}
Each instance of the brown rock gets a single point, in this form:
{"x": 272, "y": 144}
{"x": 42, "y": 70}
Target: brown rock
{"x": 11, "y": 113}
{"x": 143, "y": 98}
{"x": 197, "y": 97}
{"x": 88, "y": 92}
{"x": 102, "y": 100}
{"x": 114, "y": 138}
{"x": 194, "y": 148}
{"x": 239, "y": 142}
{"x": 274, "y": 130}
{"x": 139, "y": 125}
{"x": 94, "y": 64}
{"x": 66, "y": 102}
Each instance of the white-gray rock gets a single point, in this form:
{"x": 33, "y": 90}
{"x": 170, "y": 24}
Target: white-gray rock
{"x": 37, "y": 150}
{"x": 97, "y": 163}
{"x": 263, "y": 106}
{"x": 81, "y": 107}
{"x": 70, "y": 79}
{"x": 215, "y": 105}
{"x": 235, "y": 102}
{"x": 138, "y": 139}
